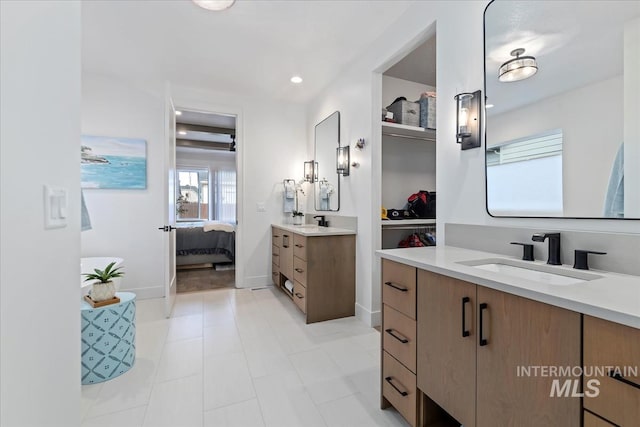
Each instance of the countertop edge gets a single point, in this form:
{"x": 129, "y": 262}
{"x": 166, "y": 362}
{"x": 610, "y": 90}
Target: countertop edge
{"x": 558, "y": 301}
{"x": 331, "y": 231}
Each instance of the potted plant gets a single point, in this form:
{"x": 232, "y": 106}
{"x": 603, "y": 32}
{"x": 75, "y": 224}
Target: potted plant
{"x": 103, "y": 288}
{"x": 297, "y": 217}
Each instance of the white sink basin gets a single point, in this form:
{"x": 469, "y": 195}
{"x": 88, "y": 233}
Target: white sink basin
{"x": 529, "y": 271}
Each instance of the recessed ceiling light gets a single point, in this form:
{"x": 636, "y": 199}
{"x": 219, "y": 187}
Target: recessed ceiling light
{"x": 488, "y": 106}
{"x": 296, "y": 79}
{"x": 182, "y": 132}
{"x": 214, "y": 4}
{"x": 178, "y": 113}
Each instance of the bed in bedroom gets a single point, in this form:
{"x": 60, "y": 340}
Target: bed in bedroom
{"x": 207, "y": 243}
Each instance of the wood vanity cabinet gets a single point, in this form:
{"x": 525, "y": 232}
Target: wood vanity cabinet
{"x": 608, "y": 344}
{"x": 322, "y": 270}
{"x": 470, "y": 341}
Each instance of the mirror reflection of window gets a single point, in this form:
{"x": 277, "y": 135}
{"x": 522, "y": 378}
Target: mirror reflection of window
{"x": 524, "y": 176}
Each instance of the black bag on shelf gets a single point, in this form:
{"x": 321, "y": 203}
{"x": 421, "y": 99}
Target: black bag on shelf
{"x": 422, "y": 204}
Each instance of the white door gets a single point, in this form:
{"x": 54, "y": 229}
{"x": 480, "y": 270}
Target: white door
{"x": 170, "y": 213}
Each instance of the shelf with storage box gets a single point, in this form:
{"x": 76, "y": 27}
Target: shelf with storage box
{"x": 318, "y": 267}
{"x": 407, "y": 131}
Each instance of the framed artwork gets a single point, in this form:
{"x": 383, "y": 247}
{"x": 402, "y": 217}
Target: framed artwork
{"x": 111, "y": 162}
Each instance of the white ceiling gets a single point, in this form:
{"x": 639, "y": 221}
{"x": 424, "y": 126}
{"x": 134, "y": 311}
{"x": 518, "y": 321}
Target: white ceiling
{"x": 576, "y": 43}
{"x": 252, "y": 48}
{"x": 418, "y": 66}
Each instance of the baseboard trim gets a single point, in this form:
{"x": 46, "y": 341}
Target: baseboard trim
{"x": 255, "y": 282}
{"x": 371, "y": 318}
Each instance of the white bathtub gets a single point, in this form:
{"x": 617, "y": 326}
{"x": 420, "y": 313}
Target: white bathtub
{"x": 87, "y": 265}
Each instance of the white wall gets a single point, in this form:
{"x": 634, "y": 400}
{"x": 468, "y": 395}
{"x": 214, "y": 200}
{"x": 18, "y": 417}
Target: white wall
{"x": 588, "y": 149}
{"x": 270, "y": 142}
{"x": 125, "y": 222}
{"x": 631, "y": 114}
{"x": 40, "y": 271}
{"x": 460, "y": 174}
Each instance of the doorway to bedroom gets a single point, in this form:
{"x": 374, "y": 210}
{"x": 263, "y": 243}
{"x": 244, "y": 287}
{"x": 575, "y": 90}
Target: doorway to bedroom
{"x": 205, "y": 195}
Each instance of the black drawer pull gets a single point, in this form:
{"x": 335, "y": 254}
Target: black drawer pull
{"x": 402, "y": 393}
{"x": 299, "y": 295}
{"x": 394, "y": 286}
{"x": 400, "y": 338}
{"x": 275, "y": 254}
{"x": 465, "y": 333}
{"x": 299, "y": 245}
{"x": 618, "y": 376}
{"x": 483, "y": 341}
{"x": 299, "y": 270}
{"x": 276, "y": 235}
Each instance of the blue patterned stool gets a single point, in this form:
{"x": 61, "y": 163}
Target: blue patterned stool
{"x": 108, "y": 339}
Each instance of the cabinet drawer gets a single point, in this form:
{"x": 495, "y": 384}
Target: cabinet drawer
{"x": 399, "y": 387}
{"x": 276, "y": 237}
{"x": 591, "y": 420}
{"x": 399, "y": 287}
{"x": 300, "y": 271}
{"x": 607, "y": 344}
{"x": 300, "y": 296}
{"x": 275, "y": 255}
{"x": 300, "y": 246}
{"x": 399, "y": 337}
{"x": 275, "y": 275}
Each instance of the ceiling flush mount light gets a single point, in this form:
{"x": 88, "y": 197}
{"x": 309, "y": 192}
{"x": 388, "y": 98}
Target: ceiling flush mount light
{"x": 468, "y": 119}
{"x": 311, "y": 171}
{"x": 215, "y": 4}
{"x": 519, "y": 68}
{"x": 178, "y": 113}
{"x": 342, "y": 160}
{"x": 182, "y": 132}
{"x": 296, "y": 79}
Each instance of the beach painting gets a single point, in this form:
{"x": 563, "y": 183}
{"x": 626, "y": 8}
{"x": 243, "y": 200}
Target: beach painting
{"x": 110, "y": 162}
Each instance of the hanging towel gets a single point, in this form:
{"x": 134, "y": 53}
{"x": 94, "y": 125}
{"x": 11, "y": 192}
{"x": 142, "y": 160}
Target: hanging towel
{"x": 289, "y": 195}
{"x": 614, "y": 199}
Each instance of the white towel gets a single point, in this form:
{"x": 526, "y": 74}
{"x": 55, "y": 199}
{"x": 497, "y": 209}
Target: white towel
{"x": 289, "y": 286}
{"x": 289, "y": 190}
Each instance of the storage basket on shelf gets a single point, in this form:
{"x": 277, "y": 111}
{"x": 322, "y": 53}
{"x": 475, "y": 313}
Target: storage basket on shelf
{"x": 427, "y": 111}
{"x": 405, "y": 112}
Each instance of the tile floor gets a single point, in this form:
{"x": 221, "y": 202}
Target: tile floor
{"x": 243, "y": 358}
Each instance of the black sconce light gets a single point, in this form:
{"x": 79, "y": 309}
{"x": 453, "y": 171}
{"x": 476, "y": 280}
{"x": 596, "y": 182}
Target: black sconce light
{"x": 311, "y": 171}
{"x": 468, "y": 119}
{"x": 342, "y": 160}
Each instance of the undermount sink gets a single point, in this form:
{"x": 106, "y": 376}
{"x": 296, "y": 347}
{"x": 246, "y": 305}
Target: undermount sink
{"x": 535, "y": 272}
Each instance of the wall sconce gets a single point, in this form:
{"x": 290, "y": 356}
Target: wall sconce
{"x": 468, "y": 119}
{"x": 342, "y": 160}
{"x": 311, "y": 171}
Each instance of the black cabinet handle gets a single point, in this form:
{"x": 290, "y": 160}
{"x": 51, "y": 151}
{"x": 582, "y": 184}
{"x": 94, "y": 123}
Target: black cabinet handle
{"x": 483, "y": 341}
{"x": 299, "y": 246}
{"x": 299, "y": 295}
{"x": 402, "y": 393}
{"x": 402, "y": 339}
{"x": 394, "y": 286}
{"x": 276, "y": 235}
{"x": 275, "y": 254}
{"x": 465, "y": 333}
{"x": 618, "y": 376}
{"x": 299, "y": 270}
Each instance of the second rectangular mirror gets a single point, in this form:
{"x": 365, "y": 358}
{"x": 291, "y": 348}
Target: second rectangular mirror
{"x": 327, "y": 187}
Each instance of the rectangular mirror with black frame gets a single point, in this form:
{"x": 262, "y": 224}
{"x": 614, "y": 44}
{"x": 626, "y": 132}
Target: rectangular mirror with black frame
{"x": 327, "y": 187}
{"x": 562, "y": 85}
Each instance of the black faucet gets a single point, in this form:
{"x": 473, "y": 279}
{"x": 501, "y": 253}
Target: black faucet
{"x": 322, "y": 222}
{"x": 554, "y": 246}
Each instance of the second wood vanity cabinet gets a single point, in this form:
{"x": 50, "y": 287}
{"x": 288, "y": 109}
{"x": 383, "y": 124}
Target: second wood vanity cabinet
{"x": 470, "y": 343}
{"x": 322, "y": 270}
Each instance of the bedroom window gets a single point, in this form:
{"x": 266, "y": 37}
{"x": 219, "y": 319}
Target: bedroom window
{"x": 192, "y": 202}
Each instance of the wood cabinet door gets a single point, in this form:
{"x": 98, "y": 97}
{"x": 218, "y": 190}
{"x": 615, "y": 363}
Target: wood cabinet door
{"x": 446, "y": 366}
{"x": 524, "y": 333}
{"x": 286, "y": 255}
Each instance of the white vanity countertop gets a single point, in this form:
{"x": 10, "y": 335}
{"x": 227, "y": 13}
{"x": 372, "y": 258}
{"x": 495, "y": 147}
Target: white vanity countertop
{"x": 314, "y": 230}
{"x": 614, "y": 297}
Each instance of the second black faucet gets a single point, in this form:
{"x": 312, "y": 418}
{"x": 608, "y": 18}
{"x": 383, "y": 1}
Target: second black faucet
{"x": 554, "y": 246}
{"x": 322, "y": 222}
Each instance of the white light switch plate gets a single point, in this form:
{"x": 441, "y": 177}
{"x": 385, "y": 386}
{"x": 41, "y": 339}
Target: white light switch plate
{"x": 260, "y": 207}
{"x": 56, "y": 203}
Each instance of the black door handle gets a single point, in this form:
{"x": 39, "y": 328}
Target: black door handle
{"x": 465, "y": 333}
{"x": 163, "y": 228}
{"x": 394, "y": 286}
{"x": 403, "y": 340}
{"x": 483, "y": 341}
